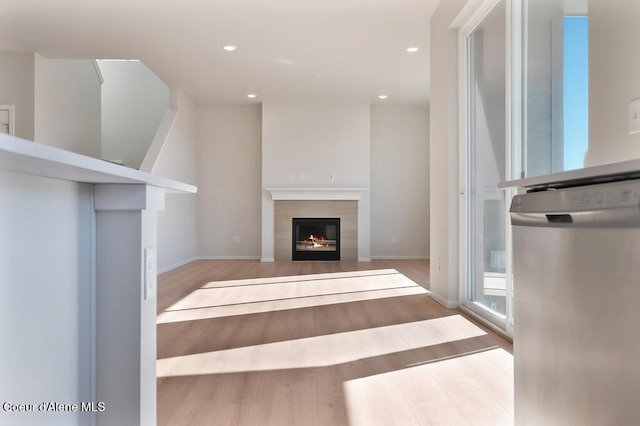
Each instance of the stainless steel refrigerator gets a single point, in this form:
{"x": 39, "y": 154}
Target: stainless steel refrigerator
{"x": 576, "y": 239}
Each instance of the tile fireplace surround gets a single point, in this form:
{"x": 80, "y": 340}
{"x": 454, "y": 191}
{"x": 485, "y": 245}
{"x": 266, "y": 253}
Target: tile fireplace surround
{"x": 318, "y": 202}
{"x": 347, "y": 211}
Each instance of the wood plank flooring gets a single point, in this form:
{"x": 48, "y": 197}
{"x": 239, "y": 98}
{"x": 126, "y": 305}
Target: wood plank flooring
{"x": 323, "y": 343}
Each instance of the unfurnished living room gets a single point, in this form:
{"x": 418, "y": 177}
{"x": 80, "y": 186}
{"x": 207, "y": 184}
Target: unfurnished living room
{"x": 238, "y": 212}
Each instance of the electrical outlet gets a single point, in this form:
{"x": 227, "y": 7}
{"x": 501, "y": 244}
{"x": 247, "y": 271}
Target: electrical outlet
{"x": 236, "y": 239}
{"x": 634, "y": 116}
{"x": 331, "y": 176}
{"x": 150, "y": 274}
{"x": 394, "y": 240}
{"x": 291, "y": 176}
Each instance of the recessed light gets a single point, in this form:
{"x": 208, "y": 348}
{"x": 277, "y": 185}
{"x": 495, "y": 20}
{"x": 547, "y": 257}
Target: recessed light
{"x": 251, "y": 95}
{"x": 412, "y": 49}
{"x": 229, "y": 47}
{"x": 382, "y": 97}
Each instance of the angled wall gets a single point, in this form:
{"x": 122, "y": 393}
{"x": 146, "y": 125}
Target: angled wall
{"x": 177, "y": 223}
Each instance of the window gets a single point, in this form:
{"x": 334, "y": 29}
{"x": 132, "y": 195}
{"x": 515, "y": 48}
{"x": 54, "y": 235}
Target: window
{"x": 575, "y": 91}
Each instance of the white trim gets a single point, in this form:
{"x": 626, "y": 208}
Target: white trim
{"x": 513, "y": 122}
{"x": 399, "y": 257}
{"x": 518, "y": 89}
{"x": 127, "y": 197}
{"x": 316, "y": 193}
{"x": 467, "y": 21}
{"x": 195, "y": 258}
{"x": 229, "y": 258}
{"x": 473, "y": 13}
{"x": 177, "y": 265}
{"x": 524, "y": 75}
{"x": 22, "y": 156}
{"x": 469, "y": 11}
{"x": 93, "y": 328}
{"x": 449, "y": 304}
{"x": 271, "y": 260}
{"x": 97, "y": 67}
{"x": 465, "y": 28}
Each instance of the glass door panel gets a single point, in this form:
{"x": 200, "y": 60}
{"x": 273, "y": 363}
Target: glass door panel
{"x": 486, "y": 205}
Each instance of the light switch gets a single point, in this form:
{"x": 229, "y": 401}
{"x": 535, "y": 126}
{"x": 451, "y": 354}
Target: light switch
{"x": 634, "y": 116}
{"x": 150, "y": 275}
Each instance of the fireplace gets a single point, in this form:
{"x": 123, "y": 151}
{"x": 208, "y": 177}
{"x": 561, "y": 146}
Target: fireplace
{"x": 315, "y": 238}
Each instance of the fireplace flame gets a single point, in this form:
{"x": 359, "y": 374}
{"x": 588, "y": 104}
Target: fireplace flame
{"x": 315, "y": 242}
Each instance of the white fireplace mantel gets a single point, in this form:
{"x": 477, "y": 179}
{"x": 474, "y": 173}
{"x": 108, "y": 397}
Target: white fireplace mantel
{"x": 316, "y": 193}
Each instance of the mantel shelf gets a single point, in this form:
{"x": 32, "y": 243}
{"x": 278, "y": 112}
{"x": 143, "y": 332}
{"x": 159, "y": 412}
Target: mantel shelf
{"x": 316, "y": 193}
{"x": 22, "y": 156}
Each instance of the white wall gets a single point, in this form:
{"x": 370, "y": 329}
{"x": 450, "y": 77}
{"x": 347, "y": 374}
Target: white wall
{"x": 614, "y": 67}
{"x": 177, "y": 232}
{"x": 45, "y": 299}
{"x": 17, "y": 88}
{"x": 400, "y": 181}
{"x": 67, "y": 105}
{"x": 316, "y": 139}
{"x": 178, "y": 157}
{"x": 134, "y": 101}
{"x": 443, "y": 140}
{"x": 229, "y": 182}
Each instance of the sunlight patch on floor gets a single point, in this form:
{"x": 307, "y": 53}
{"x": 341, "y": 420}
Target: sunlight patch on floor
{"x": 471, "y": 389}
{"x": 284, "y": 304}
{"x": 240, "y": 297}
{"x": 299, "y": 278}
{"x": 323, "y": 350}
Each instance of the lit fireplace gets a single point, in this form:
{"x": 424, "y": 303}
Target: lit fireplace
{"x": 316, "y": 239}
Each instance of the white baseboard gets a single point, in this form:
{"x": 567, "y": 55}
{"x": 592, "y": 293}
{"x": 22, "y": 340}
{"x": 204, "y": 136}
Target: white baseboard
{"x": 228, "y": 257}
{"x": 193, "y": 259}
{"x": 177, "y": 265}
{"x": 395, "y": 257}
{"x": 449, "y": 304}
{"x": 271, "y": 260}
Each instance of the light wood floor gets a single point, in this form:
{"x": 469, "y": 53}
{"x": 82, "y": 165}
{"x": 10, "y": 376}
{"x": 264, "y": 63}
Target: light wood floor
{"x": 322, "y": 343}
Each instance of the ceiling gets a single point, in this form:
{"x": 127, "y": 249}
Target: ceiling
{"x": 347, "y": 50}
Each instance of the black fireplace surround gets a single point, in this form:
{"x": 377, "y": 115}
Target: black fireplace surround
{"x": 315, "y": 238}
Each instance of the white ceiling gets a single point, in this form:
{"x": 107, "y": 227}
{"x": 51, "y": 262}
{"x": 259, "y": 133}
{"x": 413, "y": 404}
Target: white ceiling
{"x": 287, "y": 49}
